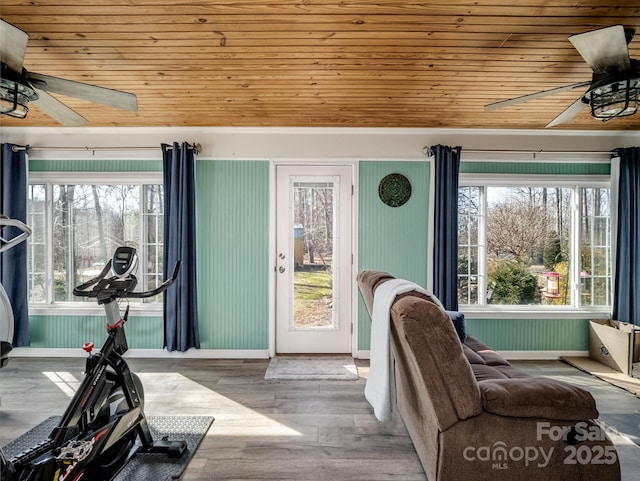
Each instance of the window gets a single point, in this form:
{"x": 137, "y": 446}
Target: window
{"x": 77, "y": 227}
{"x": 534, "y": 245}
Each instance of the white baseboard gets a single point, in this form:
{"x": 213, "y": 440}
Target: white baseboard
{"x": 148, "y": 353}
{"x": 540, "y": 355}
{"x": 518, "y": 355}
{"x": 257, "y": 354}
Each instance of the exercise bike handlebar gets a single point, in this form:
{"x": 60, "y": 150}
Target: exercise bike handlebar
{"x": 162, "y": 287}
{"x": 112, "y": 283}
{"x": 6, "y": 244}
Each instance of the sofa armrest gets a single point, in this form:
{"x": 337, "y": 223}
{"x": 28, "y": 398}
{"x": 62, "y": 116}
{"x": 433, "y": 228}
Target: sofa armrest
{"x": 537, "y": 397}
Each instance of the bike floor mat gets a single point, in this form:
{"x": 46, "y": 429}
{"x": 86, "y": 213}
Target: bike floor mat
{"x": 143, "y": 466}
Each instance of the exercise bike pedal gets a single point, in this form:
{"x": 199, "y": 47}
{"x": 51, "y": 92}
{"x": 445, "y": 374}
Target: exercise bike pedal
{"x": 173, "y": 449}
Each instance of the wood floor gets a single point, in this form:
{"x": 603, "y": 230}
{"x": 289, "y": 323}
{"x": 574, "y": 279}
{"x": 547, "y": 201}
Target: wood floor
{"x": 267, "y": 430}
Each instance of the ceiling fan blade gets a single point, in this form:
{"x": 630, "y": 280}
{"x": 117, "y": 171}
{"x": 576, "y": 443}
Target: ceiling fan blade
{"x": 537, "y": 95}
{"x": 55, "y": 109}
{"x": 79, "y": 90}
{"x": 603, "y": 49}
{"x": 13, "y": 45}
{"x": 567, "y": 114}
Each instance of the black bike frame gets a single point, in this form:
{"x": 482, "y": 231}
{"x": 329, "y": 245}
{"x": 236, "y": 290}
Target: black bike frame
{"x": 103, "y": 369}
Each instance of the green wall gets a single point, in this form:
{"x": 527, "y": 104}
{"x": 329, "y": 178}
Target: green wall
{"x": 537, "y": 168}
{"x": 92, "y": 165}
{"x": 74, "y": 331}
{"x": 392, "y": 239}
{"x": 233, "y": 256}
{"x": 531, "y": 334}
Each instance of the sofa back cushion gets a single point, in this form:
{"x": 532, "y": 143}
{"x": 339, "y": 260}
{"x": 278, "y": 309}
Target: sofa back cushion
{"x": 425, "y": 333}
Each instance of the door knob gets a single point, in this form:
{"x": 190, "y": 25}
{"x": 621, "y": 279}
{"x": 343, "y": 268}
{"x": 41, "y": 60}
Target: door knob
{"x": 281, "y": 269}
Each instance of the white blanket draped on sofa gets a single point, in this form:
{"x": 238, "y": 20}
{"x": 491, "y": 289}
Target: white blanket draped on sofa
{"x": 379, "y": 387}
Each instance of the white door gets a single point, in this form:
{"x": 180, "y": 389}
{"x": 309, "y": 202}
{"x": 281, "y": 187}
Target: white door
{"x": 313, "y": 259}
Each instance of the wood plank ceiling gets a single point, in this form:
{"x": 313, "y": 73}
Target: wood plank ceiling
{"x": 349, "y": 63}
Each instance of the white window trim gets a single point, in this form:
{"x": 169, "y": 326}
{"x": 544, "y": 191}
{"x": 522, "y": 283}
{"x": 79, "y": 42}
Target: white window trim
{"x": 533, "y": 180}
{"x": 496, "y": 311}
{"x": 102, "y": 178}
{"x": 88, "y": 309}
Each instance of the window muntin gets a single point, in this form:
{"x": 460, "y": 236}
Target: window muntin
{"x": 595, "y": 247}
{"x": 37, "y": 244}
{"x": 470, "y": 246}
{"x": 525, "y": 246}
{"x": 77, "y": 227}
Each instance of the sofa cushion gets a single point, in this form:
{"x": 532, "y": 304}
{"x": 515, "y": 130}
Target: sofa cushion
{"x": 457, "y": 318}
{"x": 472, "y": 356}
{"x": 476, "y": 344}
{"x": 483, "y": 372}
{"x": 492, "y": 358}
{"x": 488, "y": 364}
{"x": 483, "y": 354}
{"x": 537, "y": 397}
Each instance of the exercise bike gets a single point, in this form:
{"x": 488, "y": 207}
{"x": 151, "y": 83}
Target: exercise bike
{"x": 7, "y": 241}
{"x": 104, "y": 425}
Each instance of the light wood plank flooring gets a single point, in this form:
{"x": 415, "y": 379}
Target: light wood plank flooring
{"x": 267, "y": 430}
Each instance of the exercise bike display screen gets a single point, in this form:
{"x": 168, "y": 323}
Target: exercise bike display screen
{"x": 125, "y": 261}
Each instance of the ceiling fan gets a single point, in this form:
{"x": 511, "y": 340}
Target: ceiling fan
{"x": 615, "y": 84}
{"x": 18, "y": 87}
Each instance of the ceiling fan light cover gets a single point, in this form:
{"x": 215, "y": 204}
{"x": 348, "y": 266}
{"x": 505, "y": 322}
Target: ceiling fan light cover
{"x": 617, "y": 99}
{"x": 12, "y": 102}
{"x": 15, "y": 94}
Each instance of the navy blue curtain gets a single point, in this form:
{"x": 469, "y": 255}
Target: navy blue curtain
{"x": 626, "y": 295}
{"x": 13, "y": 263}
{"x": 445, "y": 248}
{"x": 180, "y": 300}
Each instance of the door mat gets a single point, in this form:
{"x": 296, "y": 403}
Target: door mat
{"x": 143, "y": 466}
{"x": 605, "y": 373}
{"x": 311, "y": 368}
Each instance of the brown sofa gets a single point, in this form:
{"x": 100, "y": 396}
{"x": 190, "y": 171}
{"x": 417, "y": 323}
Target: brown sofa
{"x": 473, "y": 416}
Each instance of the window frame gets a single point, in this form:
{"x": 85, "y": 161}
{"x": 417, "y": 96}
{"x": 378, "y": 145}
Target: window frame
{"x": 50, "y": 306}
{"x": 573, "y": 182}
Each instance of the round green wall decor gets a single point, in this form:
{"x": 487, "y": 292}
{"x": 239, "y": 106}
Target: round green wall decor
{"x": 394, "y": 190}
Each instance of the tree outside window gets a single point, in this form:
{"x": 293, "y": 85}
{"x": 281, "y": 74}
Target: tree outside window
{"x": 87, "y": 223}
{"x": 519, "y": 245}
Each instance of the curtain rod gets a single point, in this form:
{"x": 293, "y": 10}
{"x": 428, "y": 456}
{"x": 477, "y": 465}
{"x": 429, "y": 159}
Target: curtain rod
{"x": 427, "y": 151}
{"x": 196, "y": 147}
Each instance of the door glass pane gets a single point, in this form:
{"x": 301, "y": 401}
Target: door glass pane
{"x": 313, "y": 241}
